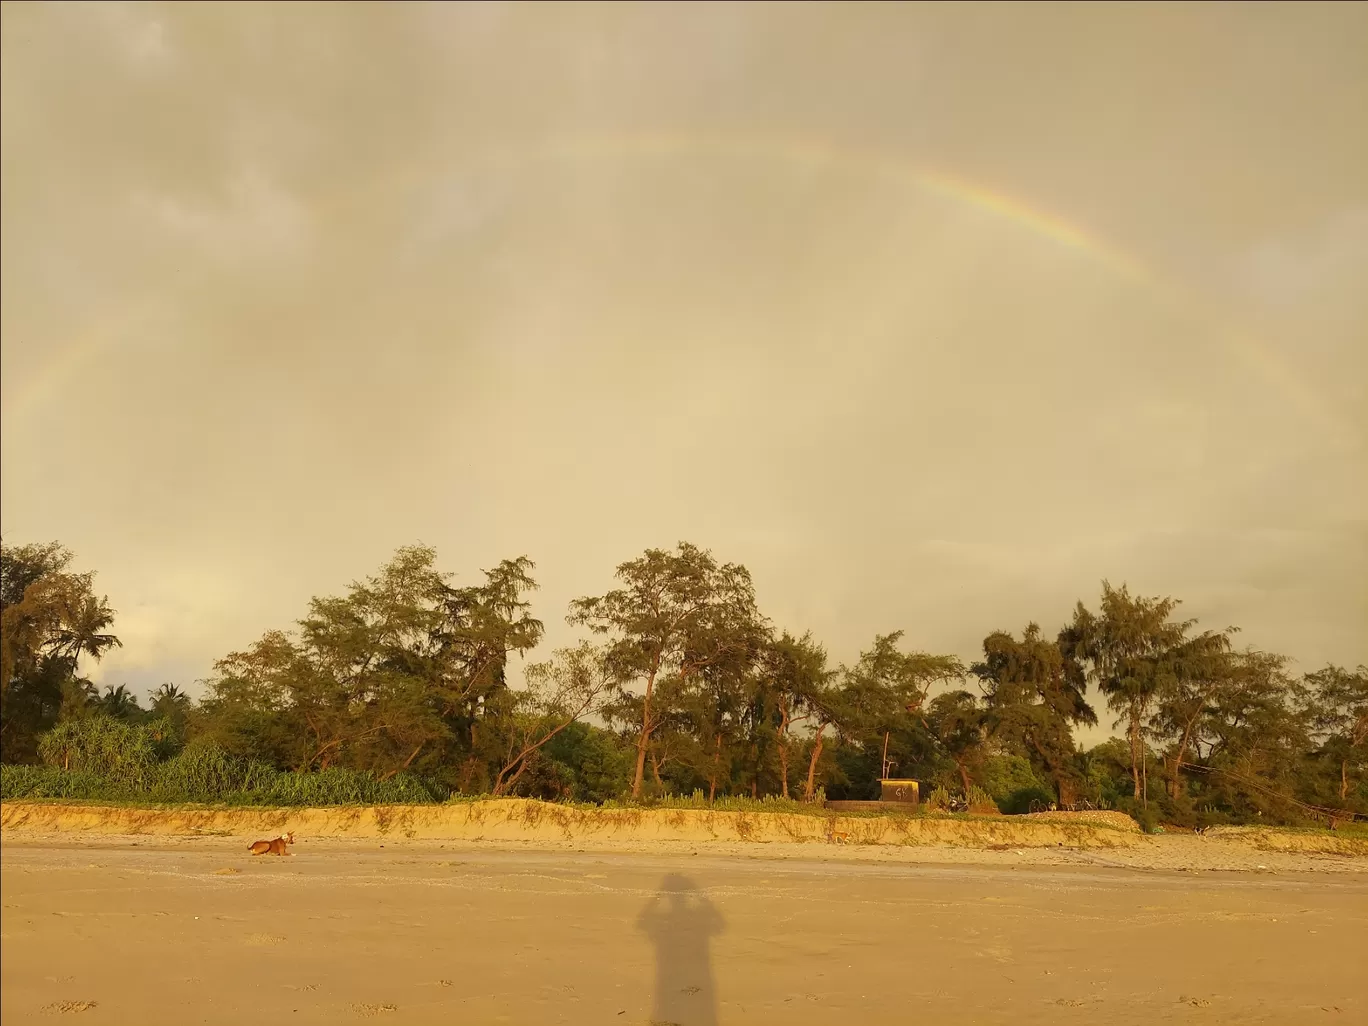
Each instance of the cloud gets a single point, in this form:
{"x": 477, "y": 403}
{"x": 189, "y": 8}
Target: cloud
{"x": 255, "y": 221}
{"x": 288, "y": 286}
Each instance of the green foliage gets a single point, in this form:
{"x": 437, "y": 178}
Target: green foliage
{"x": 938, "y": 800}
{"x": 205, "y": 774}
{"x": 1004, "y": 775}
{"x": 105, "y": 747}
{"x": 1147, "y": 816}
{"x": 980, "y": 800}
{"x": 685, "y": 627}
{"x": 36, "y": 782}
{"x": 339, "y": 786}
{"x": 1035, "y": 696}
{"x": 1025, "y": 799}
{"x": 51, "y": 621}
{"x": 595, "y": 763}
{"x": 399, "y": 690}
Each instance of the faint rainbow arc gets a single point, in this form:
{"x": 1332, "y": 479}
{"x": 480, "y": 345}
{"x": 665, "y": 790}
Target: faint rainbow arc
{"x": 817, "y": 154}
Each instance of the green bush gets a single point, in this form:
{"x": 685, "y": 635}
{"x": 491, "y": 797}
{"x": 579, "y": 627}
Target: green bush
{"x": 113, "y": 761}
{"x": 101, "y": 745}
{"x": 204, "y": 772}
{"x": 1006, "y": 776}
{"x": 980, "y": 800}
{"x": 938, "y": 800}
{"x": 1147, "y": 817}
{"x": 1019, "y": 802}
{"x": 17, "y": 782}
{"x": 598, "y": 765}
{"x": 338, "y": 786}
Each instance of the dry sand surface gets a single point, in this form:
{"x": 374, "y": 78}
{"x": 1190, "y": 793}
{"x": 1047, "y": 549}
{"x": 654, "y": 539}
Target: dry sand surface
{"x": 160, "y": 929}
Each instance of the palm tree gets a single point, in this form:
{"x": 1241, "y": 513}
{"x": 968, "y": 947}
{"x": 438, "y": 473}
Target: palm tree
{"x": 119, "y": 703}
{"x": 82, "y": 631}
{"x": 172, "y": 703}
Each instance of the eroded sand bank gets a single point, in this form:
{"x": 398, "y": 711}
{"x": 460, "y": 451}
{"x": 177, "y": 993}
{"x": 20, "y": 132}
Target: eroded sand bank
{"x": 523, "y": 820}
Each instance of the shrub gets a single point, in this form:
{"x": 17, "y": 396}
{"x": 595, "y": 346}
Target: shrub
{"x": 103, "y": 746}
{"x": 938, "y": 800}
{"x": 1019, "y": 802}
{"x": 338, "y": 786}
{"x": 204, "y": 772}
{"x": 1005, "y": 776}
{"x": 18, "y": 782}
{"x": 980, "y": 800}
{"x": 1146, "y": 817}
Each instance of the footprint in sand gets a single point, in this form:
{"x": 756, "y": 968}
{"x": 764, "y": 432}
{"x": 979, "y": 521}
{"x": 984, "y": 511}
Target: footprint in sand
{"x": 262, "y": 940}
{"x": 62, "y": 1007}
{"x": 367, "y": 1010}
{"x": 227, "y": 871}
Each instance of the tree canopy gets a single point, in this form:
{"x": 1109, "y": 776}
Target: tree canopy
{"x": 413, "y": 682}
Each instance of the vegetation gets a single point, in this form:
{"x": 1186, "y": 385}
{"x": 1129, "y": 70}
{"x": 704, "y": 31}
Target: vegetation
{"x": 399, "y": 691}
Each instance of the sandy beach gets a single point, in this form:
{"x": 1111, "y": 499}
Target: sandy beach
{"x": 152, "y": 929}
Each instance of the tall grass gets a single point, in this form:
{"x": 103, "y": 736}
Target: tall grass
{"x": 207, "y": 775}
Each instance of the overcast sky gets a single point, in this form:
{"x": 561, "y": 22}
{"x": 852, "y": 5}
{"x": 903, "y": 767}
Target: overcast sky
{"x": 286, "y": 287}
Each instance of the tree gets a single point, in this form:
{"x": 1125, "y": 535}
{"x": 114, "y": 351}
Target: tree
{"x": 350, "y": 688}
{"x": 119, "y": 703}
{"x": 172, "y": 704}
{"x": 1188, "y": 677}
{"x": 400, "y": 672}
{"x": 959, "y": 726}
{"x": 558, "y": 693}
{"x": 1126, "y": 644}
{"x": 1339, "y": 712}
{"x": 50, "y": 620}
{"x": 795, "y": 674}
{"x": 480, "y": 627}
{"x": 1035, "y": 696}
{"x": 1252, "y": 738}
{"x": 886, "y": 682}
{"x": 827, "y": 705}
{"x": 83, "y": 629}
{"x": 675, "y": 613}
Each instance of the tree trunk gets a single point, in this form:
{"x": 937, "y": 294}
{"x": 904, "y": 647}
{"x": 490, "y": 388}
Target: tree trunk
{"x": 407, "y": 762}
{"x": 783, "y": 769}
{"x": 717, "y": 761}
{"x": 1135, "y": 753}
{"x": 645, "y": 738}
{"x": 964, "y": 778}
{"x": 783, "y": 749}
{"x": 1344, "y": 779}
{"x": 811, "y": 788}
{"x": 1178, "y": 758}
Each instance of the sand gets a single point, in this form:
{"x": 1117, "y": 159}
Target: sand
{"x": 161, "y": 928}
{"x": 515, "y": 819}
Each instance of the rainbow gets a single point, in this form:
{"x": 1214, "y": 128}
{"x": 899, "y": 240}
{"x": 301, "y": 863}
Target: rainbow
{"x": 818, "y": 155}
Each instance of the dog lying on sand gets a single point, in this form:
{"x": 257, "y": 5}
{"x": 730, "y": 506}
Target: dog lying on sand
{"x": 278, "y": 846}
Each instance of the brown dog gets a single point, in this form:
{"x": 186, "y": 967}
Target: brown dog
{"x": 279, "y": 846}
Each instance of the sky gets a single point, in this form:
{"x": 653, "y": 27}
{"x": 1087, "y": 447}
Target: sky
{"x": 932, "y": 316}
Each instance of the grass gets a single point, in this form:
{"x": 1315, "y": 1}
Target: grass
{"x": 1357, "y": 830}
{"x": 732, "y": 804}
{"x": 197, "y": 778}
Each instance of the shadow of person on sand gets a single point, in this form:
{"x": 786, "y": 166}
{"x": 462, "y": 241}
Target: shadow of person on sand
{"x": 681, "y": 922}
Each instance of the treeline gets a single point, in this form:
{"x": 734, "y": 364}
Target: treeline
{"x": 399, "y": 690}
